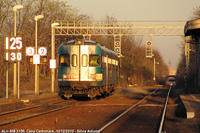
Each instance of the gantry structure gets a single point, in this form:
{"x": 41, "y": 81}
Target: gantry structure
{"x": 117, "y": 29}
{"x": 125, "y": 28}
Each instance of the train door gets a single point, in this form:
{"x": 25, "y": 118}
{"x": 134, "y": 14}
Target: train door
{"x": 84, "y": 66}
{"x": 74, "y": 69}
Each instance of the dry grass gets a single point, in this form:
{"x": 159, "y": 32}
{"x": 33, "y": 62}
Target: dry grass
{"x": 27, "y": 85}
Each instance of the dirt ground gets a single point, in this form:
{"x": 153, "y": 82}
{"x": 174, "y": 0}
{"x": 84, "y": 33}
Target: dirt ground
{"x": 92, "y": 115}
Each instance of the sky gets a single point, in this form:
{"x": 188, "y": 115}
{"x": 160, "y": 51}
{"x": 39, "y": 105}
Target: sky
{"x": 144, "y": 10}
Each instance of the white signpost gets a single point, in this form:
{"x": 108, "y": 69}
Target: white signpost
{"x": 12, "y": 47}
{"x": 12, "y": 50}
{"x": 42, "y": 51}
{"x": 52, "y": 63}
{"x": 36, "y": 59}
{"x": 30, "y": 51}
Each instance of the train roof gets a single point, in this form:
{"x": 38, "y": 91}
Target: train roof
{"x": 82, "y": 40}
{"x": 90, "y": 42}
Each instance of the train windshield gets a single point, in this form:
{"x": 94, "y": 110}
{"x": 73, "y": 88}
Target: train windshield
{"x": 64, "y": 60}
{"x": 94, "y": 60}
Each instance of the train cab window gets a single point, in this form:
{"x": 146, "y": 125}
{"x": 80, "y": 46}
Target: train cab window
{"x": 94, "y": 60}
{"x": 84, "y": 60}
{"x": 64, "y": 60}
{"x": 74, "y": 60}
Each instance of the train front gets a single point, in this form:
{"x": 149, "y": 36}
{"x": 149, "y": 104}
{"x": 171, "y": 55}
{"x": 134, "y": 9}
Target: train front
{"x": 79, "y": 68}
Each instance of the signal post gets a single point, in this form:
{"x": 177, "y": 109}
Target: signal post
{"x": 117, "y": 44}
{"x": 117, "y": 49}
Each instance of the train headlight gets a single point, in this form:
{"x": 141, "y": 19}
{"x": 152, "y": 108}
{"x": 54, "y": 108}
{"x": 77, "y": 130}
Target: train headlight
{"x": 65, "y": 76}
{"x": 79, "y": 42}
{"x": 93, "y": 76}
{"x": 99, "y": 77}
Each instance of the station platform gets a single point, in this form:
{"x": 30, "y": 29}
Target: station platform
{"x": 26, "y": 101}
{"x": 192, "y": 105}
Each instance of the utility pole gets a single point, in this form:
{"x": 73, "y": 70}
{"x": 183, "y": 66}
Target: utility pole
{"x": 53, "y": 54}
{"x": 15, "y": 8}
{"x": 154, "y": 68}
{"x": 36, "y": 52}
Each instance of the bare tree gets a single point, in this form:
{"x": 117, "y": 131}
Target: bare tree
{"x": 51, "y": 10}
{"x": 196, "y": 13}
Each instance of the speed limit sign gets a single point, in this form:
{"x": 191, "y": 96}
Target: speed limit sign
{"x": 42, "y": 51}
{"x": 30, "y": 51}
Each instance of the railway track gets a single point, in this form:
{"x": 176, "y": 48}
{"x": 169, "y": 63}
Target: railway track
{"x": 117, "y": 119}
{"x": 34, "y": 111}
{"x": 164, "y": 112}
{"x": 87, "y": 109}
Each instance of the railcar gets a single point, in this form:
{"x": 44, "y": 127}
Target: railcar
{"x": 86, "y": 68}
{"x": 171, "y": 81}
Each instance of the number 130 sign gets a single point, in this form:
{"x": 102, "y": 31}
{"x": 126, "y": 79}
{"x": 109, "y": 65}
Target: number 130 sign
{"x": 12, "y": 47}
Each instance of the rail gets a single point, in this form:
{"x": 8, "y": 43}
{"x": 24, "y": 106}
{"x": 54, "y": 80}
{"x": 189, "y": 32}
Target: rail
{"x": 164, "y": 112}
{"x": 125, "y": 112}
{"x": 24, "y": 115}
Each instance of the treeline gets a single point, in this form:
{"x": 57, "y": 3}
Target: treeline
{"x": 51, "y": 10}
{"x": 136, "y": 69}
{"x": 139, "y": 70}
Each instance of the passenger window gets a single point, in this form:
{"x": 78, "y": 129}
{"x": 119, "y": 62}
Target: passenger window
{"x": 94, "y": 60}
{"x": 84, "y": 60}
{"x": 74, "y": 60}
{"x": 64, "y": 60}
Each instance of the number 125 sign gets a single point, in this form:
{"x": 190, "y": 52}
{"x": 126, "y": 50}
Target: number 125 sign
{"x": 12, "y": 47}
